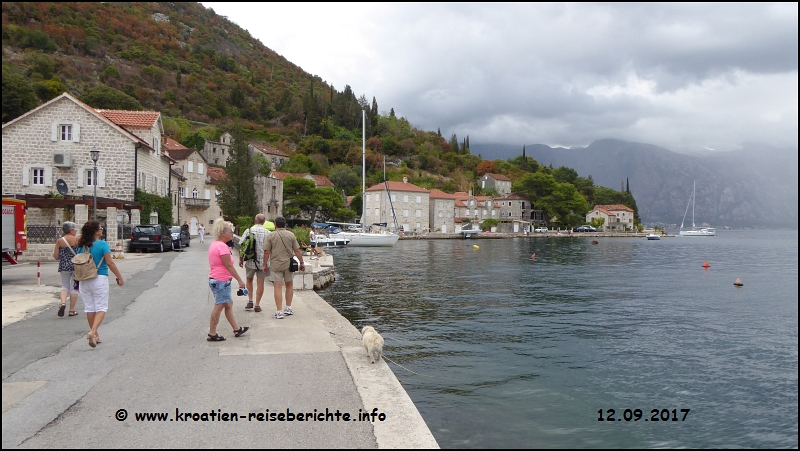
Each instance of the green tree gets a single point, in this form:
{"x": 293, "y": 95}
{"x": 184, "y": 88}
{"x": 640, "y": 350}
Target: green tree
{"x": 301, "y": 164}
{"x": 566, "y": 204}
{"x": 18, "y": 95}
{"x": 299, "y": 196}
{"x": 565, "y": 175}
{"x": 108, "y": 98}
{"x": 344, "y": 177}
{"x": 536, "y": 186}
{"x": 488, "y": 223}
{"x": 237, "y": 194}
{"x": 194, "y": 141}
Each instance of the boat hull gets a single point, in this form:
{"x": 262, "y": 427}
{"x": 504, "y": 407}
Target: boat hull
{"x": 653, "y": 237}
{"x": 372, "y": 239}
{"x": 701, "y": 232}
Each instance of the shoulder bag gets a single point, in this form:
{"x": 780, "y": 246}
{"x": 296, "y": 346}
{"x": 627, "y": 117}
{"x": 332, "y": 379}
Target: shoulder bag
{"x": 294, "y": 265}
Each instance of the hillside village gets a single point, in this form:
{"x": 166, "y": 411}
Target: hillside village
{"x": 135, "y": 154}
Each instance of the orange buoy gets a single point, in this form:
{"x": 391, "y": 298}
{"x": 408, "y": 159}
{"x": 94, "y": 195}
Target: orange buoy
{"x": 594, "y": 242}
{"x": 738, "y": 282}
{"x": 706, "y": 265}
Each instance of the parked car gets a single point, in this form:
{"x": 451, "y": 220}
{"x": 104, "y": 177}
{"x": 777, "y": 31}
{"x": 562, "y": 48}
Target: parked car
{"x": 150, "y": 236}
{"x": 180, "y": 237}
{"x": 584, "y": 228}
{"x": 540, "y": 230}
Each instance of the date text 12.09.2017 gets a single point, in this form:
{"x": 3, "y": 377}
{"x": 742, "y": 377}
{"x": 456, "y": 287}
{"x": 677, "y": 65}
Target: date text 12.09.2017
{"x": 636, "y": 415}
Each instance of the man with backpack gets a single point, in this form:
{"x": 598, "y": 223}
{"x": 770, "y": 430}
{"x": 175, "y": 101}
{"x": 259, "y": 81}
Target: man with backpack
{"x": 251, "y": 256}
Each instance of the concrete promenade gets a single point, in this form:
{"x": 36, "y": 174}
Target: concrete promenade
{"x": 154, "y": 359}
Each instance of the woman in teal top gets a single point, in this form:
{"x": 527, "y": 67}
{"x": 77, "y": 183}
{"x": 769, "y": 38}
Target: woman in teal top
{"x": 95, "y": 291}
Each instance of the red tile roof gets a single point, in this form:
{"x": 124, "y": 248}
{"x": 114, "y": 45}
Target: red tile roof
{"x": 321, "y": 180}
{"x": 180, "y": 154}
{"x": 125, "y": 118}
{"x": 398, "y": 186}
{"x": 499, "y": 177}
{"x": 439, "y": 194}
{"x": 615, "y": 207}
{"x": 171, "y": 144}
{"x": 269, "y": 150}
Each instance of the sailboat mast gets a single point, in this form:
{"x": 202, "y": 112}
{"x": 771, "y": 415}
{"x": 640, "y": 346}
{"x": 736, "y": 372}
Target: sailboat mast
{"x": 694, "y": 194}
{"x": 363, "y": 169}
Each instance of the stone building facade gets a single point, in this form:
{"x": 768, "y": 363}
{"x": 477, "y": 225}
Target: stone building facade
{"x": 54, "y": 141}
{"x": 442, "y": 212}
{"x": 616, "y": 217}
{"x": 195, "y": 198}
{"x": 497, "y": 182}
{"x": 217, "y": 152}
{"x": 411, "y": 205}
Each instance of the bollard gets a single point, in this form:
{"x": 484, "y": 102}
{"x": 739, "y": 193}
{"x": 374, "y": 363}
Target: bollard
{"x": 38, "y": 274}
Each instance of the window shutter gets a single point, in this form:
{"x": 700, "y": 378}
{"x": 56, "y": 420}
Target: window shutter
{"x": 48, "y": 176}
{"x": 81, "y": 176}
{"x": 76, "y": 133}
{"x": 54, "y": 131}
{"x": 26, "y": 175}
{"x": 190, "y": 166}
{"x": 199, "y": 168}
{"x": 185, "y": 191}
{"x": 208, "y": 194}
{"x": 101, "y": 178}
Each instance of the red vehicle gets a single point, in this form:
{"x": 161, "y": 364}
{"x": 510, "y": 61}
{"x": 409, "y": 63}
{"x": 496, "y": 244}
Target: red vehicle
{"x": 15, "y": 229}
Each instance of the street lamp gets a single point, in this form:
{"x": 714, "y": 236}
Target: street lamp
{"x": 95, "y": 156}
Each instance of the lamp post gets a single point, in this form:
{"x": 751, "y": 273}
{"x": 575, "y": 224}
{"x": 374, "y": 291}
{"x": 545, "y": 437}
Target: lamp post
{"x": 95, "y": 156}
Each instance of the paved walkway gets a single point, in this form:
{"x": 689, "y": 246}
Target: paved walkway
{"x": 154, "y": 359}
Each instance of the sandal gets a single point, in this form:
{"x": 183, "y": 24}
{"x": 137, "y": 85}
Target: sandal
{"x": 240, "y": 332}
{"x": 215, "y": 337}
{"x": 73, "y": 313}
{"x": 61, "y": 310}
{"x": 257, "y": 309}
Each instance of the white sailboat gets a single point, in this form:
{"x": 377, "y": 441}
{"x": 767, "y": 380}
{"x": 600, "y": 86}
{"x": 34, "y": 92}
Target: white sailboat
{"x": 359, "y": 239}
{"x": 695, "y": 231}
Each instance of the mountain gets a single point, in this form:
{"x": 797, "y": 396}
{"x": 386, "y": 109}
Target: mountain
{"x": 752, "y": 187}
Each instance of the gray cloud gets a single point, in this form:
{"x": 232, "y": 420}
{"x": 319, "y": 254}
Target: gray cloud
{"x": 683, "y": 76}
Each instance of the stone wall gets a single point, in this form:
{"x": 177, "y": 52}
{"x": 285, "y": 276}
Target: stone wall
{"x": 441, "y": 214}
{"x": 380, "y": 200}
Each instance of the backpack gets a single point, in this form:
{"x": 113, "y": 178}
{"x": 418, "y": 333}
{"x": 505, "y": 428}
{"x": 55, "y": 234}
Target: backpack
{"x": 248, "y": 248}
{"x": 85, "y": 268}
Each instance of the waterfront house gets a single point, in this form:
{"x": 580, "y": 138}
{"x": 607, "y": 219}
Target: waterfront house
{"x": 411, "y": 205}
{"x": 442, "y": 212}
{"x": 54, "y": 140}
{"x": 616, "y": 217}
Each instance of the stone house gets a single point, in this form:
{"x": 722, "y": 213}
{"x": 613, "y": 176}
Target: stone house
{"x": 273, "y": 155}
{"x": 54, "y": 140}
{"x": 269, "y": 190}
{"x": 411, "y": 206}
{"x": 616, "y": 216}
{"x": 497, "y": 182}
{"x": 195, "y": 198}
{"x": 217, "y": 152}
{"x": 442, "y": 212}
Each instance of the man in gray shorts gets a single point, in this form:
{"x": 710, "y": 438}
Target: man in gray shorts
{"x": 256, "y": 268}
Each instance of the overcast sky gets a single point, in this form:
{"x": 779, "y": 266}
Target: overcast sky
{"x": 683, "y": 76}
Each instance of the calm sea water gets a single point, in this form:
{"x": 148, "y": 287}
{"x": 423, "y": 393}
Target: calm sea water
{"x": 515, "y": 353}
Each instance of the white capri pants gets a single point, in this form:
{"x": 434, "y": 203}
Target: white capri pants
{"x": 95, "y": 294}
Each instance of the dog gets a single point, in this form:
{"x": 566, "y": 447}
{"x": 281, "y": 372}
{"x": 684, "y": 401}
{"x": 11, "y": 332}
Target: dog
{"x": 373, "y": 343}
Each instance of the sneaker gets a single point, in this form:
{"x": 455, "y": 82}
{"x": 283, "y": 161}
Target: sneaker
{"x": 288, "y": 311}
{"x": 278, "y": 315}
{"x": 248, "y": 306}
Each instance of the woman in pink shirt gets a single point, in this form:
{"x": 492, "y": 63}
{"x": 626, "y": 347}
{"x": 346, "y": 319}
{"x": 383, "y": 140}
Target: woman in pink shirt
{"x": 219, "y": 279}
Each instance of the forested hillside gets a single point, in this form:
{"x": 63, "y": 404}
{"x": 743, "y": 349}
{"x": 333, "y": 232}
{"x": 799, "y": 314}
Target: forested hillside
{"x": 207, "y": 75}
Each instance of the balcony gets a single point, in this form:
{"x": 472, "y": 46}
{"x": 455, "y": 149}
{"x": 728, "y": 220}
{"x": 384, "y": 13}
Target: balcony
{"x": 191, "y": 202}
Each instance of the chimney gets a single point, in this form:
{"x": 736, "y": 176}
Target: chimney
{"x": 405, "y": 179}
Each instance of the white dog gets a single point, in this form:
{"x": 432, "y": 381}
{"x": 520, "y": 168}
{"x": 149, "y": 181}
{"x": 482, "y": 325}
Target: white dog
{"x": 373, "y": 343}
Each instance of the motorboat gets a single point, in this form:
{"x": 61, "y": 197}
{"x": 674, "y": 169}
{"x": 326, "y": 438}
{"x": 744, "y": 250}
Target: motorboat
{"x": 653, "y": 236}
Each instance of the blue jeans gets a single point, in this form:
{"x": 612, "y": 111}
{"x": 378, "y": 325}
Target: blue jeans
{"x": 221, "y": 290}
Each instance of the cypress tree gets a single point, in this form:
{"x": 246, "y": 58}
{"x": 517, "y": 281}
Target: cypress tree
{"x": 237, "y": 195}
